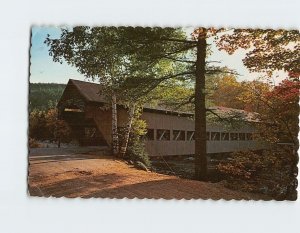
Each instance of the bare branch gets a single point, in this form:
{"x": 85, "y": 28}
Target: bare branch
{"x": 180, "y": 50}
{"x": 212, "y": 62}
{"x": 179, "y": 60}
{"x": 176, "y": 75}
{"x": 215, "y": 71}
{"x": 189, "y": 101}
{"x": 180, "y": 41}
{"x": 217, "y": 115}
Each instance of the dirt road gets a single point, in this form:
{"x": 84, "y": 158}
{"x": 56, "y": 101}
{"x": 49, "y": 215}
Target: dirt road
{"x": 82, "y": 175}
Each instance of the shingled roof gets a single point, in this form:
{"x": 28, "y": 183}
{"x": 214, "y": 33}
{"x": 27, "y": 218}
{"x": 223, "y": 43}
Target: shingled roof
{"x": 235, "y": 114}
{"x": 92, "y": 93}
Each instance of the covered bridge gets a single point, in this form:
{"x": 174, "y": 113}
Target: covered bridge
{"x": 168, "y": 132}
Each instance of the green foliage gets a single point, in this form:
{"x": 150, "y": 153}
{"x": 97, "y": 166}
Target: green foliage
{"x": 43, "y": 96}
{"x": 136, "y": 147}
{"x": 118, "y": 56}
{"x": 136, "y": 152}
{"x": 138, "y": 127}
{"x": 176, "y": 95}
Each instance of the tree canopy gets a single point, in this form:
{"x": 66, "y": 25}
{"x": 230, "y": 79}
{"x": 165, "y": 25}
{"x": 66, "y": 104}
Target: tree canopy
{"x": 268, "y": 50}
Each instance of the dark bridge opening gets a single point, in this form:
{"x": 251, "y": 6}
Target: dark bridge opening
{"x": 84, "y": 130}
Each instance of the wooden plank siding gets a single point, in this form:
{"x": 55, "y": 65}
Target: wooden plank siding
{"x": 169, "y": 122}
{"x": 163, "y": 122}
{"x": 160, "y": 121}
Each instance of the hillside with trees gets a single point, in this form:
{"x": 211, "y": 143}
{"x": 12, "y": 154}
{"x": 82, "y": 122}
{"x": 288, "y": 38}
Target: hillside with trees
{"x": 43, "y": 96}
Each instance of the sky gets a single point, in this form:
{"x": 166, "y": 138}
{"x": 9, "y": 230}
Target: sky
{"x": 44, "y": 70}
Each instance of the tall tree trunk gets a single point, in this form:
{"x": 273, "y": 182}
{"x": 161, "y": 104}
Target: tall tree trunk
{"x": 200, "y": 110}
{"x": 114, "y": 124}
{"x": 125, "y": 140}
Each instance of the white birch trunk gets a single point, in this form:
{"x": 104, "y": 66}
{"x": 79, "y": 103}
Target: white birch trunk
{"x": 125, "y": 140}
{"x": 115, "y": 137}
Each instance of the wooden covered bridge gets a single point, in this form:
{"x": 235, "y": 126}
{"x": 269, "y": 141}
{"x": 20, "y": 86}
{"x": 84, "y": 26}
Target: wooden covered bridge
{"x": 168, "y": 132}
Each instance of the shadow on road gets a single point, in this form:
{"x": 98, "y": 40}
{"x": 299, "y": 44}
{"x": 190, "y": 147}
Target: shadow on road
{"x": 103, "y": 150}
{"x": 81, "y": 186}
{"x": 60, "y": 158}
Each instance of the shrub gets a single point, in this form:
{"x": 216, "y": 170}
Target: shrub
{"x": 136, "y": 147}
{"x": 269, "y": 172}
{"x": 37, "y": 125}
{"x": 136, "y": 152}
{"x": 33, "y": 143}
{"x": 59, "y": 129}
{"x": 45, "y": 125}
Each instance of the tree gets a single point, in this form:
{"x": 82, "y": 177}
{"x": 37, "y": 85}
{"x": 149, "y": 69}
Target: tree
{"x": 45, "y": 125}
{"x": 142, "y": 59}
{"x": 280, "y": 109}
{"x": 200, "y": 109}
{"x": 268, "y": 50}
{"x": 98, "y": 54}
{"x": 92, "y": 52}
{"x": 37, "y": 125}
{"x": 58, "y": 129}
{"x": 173, "y": 94}
{"x": 145, "y": 66}
{"x": 267, "y": 172}
{"x": 188, "y": 54}
{"x": 245, "y": 95}
{"x": 226, "y": 92}
{"x": 108, "y": 54}
{"x": 44, "y": 96}
{"x": 274, "y": 170}
{"x": 136, "y": 151}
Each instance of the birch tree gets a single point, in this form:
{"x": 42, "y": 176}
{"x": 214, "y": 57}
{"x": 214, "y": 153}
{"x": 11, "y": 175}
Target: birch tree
{"x": 142, "y": 59}
{"x": 109, "y": 55}
{"x": 96, "y": 53}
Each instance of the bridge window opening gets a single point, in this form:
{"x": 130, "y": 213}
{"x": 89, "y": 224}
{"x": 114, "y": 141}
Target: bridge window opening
{"x": 149, "y": 135}
{"x": 242, "y": 136}
{"x": 225, "y": 136}
{"x": 234, "y": 136}
{"x": 178, "y": 135}
{"x": 190, "y": 135}
{"x": 215, "y": 136}
{"x": 163, "y": 135}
